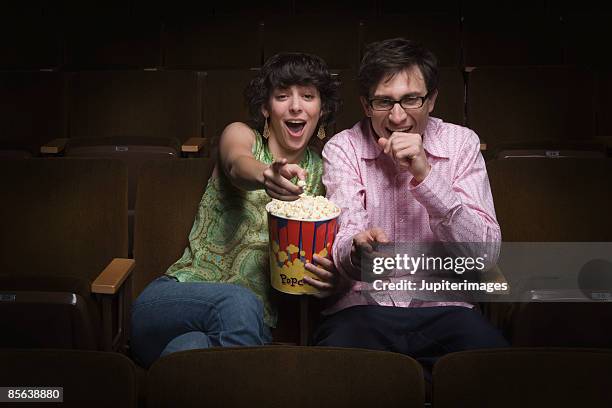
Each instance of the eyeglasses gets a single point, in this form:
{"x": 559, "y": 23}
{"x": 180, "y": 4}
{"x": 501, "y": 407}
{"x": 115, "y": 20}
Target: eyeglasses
{"x": 407, "y": 102}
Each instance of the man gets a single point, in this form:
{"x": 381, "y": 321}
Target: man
{"x": 400, "y": 175}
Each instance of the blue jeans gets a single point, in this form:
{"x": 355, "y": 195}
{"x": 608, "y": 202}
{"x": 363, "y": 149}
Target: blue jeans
{"x": 171, "y": 316}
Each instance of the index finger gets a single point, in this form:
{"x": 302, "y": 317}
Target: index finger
{"x": 278, "y": 163}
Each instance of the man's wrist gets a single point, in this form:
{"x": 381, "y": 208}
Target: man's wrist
{"x": 418, "y": 178}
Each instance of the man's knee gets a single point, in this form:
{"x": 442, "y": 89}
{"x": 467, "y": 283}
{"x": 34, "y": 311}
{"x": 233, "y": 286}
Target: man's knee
{"x": 348, "y": 330}
{"x": 477, "y": 332}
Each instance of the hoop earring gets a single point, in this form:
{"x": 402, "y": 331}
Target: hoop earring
{"x": 321, "y": 133}
{"x": 266, "y": 130}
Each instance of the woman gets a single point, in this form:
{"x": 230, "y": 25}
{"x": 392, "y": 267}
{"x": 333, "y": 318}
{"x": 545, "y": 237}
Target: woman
{"x": 218, "y": 293}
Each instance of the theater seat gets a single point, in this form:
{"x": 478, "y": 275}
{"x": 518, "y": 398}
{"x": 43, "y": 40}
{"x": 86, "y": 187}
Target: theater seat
{"x": 213, "y": 42}
{"x": 88, "y": 378}
{"x": 63, "y": 244}
{"x": 554, "y": 201}
{"x": 439, "y": 32}
{"x": 285, "y": 376}
{"x": 133, "y": 151}
{"x": 167, "y": 199}
{"x": 32, "y": 109}
{"x": 523, "y": 378}
{"x": 223, "y": 104}
{"x": 532, "y": 104}
{"x": 336, "y": 40}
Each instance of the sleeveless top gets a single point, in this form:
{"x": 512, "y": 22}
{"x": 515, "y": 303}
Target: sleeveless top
{"x": 228, "y": 242}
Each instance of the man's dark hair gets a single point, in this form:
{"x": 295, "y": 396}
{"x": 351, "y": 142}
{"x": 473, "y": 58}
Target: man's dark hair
{"x": 386, "y": 58}
{"x": 286, "y": 69}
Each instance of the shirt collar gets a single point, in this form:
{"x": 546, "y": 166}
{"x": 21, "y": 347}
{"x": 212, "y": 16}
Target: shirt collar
{"x": 431, "y": 141}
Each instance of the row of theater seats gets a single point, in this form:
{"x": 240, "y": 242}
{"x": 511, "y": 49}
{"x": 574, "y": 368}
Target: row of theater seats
{"x": 282, "y": 376}
{"x": 509, "y": 107}
{"x": 554, "y": 201}
{"x": 140, "y": 35}
{"x": 64, "y": 244}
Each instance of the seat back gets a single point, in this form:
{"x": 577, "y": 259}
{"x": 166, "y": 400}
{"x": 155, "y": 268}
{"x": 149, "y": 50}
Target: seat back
{"x": 163, "y": 104}
{"x": 552, "y": 200}
{"x": 32, "y": 109}
{"x": 114, "y": 41}
{"x": 276, "y": 376}
{"x": 439, "y": 32}
{"x": 167, "y": 199}
{"x": 29, "y": 38}
{"x": 64, "y": 220}
{"x": 62, "y": 217}
{"x": 531, "y": 104}
{"x": 134, "y": 151}
{"x": 524, "y": 378}
{"x": 336, "y": 40}
{"x": 213, "y": 42}
{"x": 223, "y": 104}
{"x": 512, "y": 33}
{"x": 88, "y": 378}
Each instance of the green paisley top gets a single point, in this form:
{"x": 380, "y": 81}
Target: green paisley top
{"x": 229, "y": 238}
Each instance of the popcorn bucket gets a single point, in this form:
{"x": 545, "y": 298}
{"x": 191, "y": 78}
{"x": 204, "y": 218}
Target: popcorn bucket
{"x": 292, "y": 244}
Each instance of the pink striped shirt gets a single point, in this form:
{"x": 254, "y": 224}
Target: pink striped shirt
{"x": 452, "y": 204}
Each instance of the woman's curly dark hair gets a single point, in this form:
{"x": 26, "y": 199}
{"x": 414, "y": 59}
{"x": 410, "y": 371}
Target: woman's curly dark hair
{"x": 286, "y": 69}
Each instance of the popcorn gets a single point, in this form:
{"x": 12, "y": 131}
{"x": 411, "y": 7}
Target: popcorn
{"x": 305, "y": 208}
{"x": 301, "y": 183}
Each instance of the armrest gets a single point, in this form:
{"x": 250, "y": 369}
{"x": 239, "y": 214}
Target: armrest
{"x": 193, "y": 145}
{"x": 55, "y": 146}
{"x": 483, "y": 147}
{"x": 113, "y": 276}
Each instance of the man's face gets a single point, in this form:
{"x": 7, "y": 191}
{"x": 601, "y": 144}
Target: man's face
{"x": 407, "y": 83}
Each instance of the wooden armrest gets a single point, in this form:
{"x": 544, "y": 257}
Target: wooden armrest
{"x": 193, "y": 145}
{"x": 55, "y": 146}
{"x": 113, "y": 276}
{"x": 483, "y": 147}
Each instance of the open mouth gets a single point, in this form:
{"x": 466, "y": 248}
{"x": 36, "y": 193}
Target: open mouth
{"x": 403, "y": 130}
{"x": 295, "y": 127}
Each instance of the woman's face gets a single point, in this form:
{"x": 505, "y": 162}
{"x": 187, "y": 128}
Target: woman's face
{"x": 294, "y": 113}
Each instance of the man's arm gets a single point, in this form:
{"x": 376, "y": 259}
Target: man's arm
{"x": 345, "y": 188}
{"x": 460, "y": 210}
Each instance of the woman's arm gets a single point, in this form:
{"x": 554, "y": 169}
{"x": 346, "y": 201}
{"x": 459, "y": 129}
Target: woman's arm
{"x": 236, "y": 157}
{"x": 248, "y": 173}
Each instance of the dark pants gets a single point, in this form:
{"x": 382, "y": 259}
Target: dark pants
{"x": 425, "y": 333}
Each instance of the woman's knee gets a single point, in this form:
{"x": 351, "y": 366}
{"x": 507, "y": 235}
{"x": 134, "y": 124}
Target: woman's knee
{"x": 193, "y": 340}
{"x": 241, "y": 301}
{"x": 155, "y": 291}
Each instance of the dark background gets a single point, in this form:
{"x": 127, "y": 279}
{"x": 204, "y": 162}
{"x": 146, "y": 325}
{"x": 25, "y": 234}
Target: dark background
{"x": 177, "y": 69}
